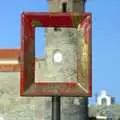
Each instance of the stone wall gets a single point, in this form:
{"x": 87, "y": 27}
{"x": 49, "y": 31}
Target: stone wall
{"x": 64, "y": 40}
{"x": 12, "y": 105}
{"x": 112, "y": 111}
{"x": 15, "y": 107}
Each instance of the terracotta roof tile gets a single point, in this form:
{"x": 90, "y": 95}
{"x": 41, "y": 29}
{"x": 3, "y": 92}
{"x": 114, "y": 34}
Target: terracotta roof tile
{"x": 9, "y": 53}
{"x": 14, "y": 53}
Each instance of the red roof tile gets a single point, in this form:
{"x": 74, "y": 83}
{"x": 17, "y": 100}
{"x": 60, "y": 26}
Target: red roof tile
{"x": 9, "y": 53}
{"x": 14, "y": 53}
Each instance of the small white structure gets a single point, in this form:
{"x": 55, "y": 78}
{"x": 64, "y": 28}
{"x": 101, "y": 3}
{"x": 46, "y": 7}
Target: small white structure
{"x": 104, "y": 99}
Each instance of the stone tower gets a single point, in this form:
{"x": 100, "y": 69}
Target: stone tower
{"x": 60, "y": 61}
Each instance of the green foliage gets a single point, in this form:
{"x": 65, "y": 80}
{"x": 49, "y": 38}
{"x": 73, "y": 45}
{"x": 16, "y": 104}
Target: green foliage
{"x": 36, "y": 23}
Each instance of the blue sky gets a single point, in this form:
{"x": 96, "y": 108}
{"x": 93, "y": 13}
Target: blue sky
{"x": 106, "y": 37}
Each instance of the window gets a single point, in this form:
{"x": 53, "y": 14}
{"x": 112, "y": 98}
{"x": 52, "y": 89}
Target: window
{"x": 57, "y": 57}
{"x": 64, "y": 7}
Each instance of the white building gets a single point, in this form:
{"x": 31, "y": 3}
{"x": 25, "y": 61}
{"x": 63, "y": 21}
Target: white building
{"x": 105, "y": 99}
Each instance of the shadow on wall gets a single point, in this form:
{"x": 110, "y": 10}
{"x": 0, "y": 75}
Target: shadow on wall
{"x": 92, "y": 118}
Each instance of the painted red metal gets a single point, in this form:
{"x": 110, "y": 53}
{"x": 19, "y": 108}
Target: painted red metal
{"x": 31, "y": 20}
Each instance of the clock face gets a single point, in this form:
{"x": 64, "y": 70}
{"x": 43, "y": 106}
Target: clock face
{"x": 57, "y": 57}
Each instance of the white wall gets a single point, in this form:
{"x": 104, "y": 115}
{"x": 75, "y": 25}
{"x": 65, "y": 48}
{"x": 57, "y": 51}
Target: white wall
{"x": 9, "y": 61}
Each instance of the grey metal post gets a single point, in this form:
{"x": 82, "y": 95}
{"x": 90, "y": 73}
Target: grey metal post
{"x": 56, "y": 107}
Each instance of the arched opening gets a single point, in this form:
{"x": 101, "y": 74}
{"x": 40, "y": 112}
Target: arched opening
{"x": 104, "y": 101}
{"x": 64, "y": 7}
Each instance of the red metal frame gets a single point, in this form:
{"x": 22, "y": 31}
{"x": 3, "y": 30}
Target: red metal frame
{"x": 30, "y": 20}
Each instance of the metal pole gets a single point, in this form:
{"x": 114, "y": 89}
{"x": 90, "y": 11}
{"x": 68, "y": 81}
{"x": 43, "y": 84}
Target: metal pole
{"x": 56, "y": 107}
